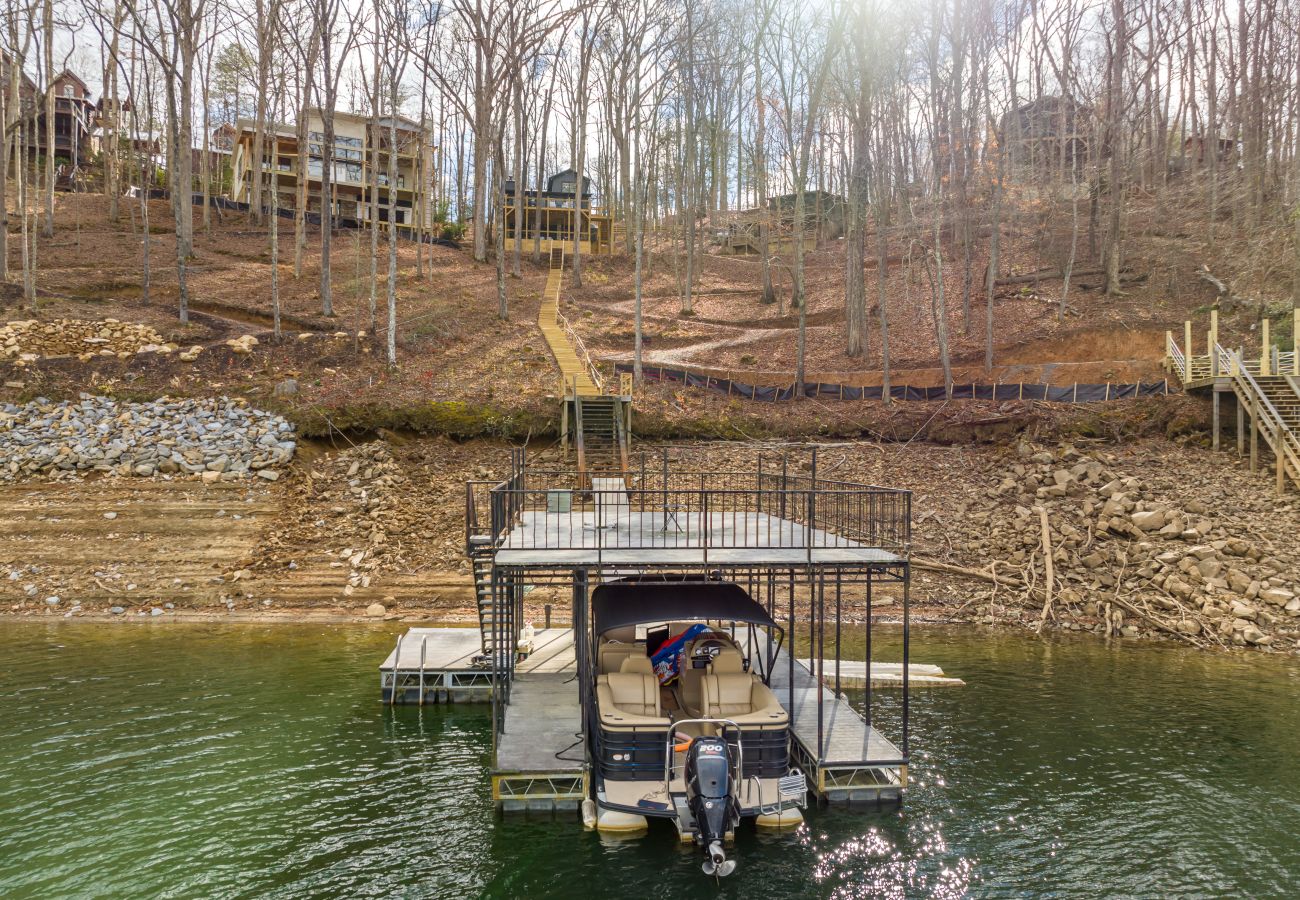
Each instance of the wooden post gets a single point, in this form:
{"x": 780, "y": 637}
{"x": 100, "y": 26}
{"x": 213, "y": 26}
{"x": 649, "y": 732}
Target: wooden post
{"x": 1295, "y": 342}
{"x": 1254, "y": 437}
{"x": 1241, "y": 424}
{"x": 1213, "y": 342}
{"x": 1214, "y": 392}
{"x": 1187, "y": 345}
{"x": 1266, "y": 349}
{"x": 564, "y": 427}
{"x": 1281, "y": 467}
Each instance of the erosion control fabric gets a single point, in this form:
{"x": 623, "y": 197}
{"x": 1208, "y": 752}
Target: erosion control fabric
{"x": 1051, "y": 393}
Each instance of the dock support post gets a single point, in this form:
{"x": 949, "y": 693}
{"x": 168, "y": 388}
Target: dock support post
{"x": 1254, "y": 437}
{"x": 866, "y": 710}
{"x": 1215, "y": 393}
{"x": 819, "y": 586}
{"x": 789, "y": 655}
{"x": 579, "y": 619}
{"x": 907, "y": 649}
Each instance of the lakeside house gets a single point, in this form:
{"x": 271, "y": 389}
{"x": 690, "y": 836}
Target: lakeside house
{"x": 358, "y": 194}
{"x": 74, "y": 113}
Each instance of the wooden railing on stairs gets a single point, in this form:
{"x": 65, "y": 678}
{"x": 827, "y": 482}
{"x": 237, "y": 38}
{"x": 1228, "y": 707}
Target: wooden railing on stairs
{"x": 1283, "y": 441}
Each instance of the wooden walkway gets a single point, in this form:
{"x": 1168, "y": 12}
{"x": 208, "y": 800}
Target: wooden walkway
{"x": 574, "y": 372}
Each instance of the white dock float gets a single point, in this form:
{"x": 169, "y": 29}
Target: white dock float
{"x": 438, "y": 665}
{"x": 853, "y": 673}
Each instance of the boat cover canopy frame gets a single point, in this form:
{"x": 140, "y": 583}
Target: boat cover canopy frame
{"x": 619, "y": 604}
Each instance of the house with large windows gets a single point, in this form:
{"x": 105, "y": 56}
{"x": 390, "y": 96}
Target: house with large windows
{"x": 360, "y": 189}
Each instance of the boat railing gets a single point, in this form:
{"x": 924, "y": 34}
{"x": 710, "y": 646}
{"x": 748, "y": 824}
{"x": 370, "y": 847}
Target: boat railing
{"x": 670, "y": 748}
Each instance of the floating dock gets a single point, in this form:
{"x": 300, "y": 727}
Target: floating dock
{"x": 853, "y": 673}
{"x": 539, "y": 751}
{"x": 847, "y": 761}
{"x": 540, "y": 763}
{"x": 447, "y": 665}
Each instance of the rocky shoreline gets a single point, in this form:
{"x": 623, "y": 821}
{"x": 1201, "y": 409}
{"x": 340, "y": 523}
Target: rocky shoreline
{"x": 1128, "y": 559}
{"x": 214, "y": 439}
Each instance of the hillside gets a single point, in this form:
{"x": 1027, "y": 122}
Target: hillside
{"x": 486, "y": 376}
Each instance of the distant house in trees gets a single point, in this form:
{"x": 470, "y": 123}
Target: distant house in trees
{"x": 553, "y": 215}
{"x": 823, "y": 220}
{"x": 221, "y": 145}
{"x": 353, "y": 200}
{"x": 74, "y": 114}
{"x": 1197, "y": 150}
{"x": 1048, "y": 134}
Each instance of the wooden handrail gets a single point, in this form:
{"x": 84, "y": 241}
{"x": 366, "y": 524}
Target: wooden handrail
{"x": 1285, "y": 441}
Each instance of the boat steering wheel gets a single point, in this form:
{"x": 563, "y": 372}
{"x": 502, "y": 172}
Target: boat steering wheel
{"x": 707, "y": 649}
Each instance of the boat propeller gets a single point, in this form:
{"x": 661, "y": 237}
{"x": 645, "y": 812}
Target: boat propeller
{"x": 717, "y": 862}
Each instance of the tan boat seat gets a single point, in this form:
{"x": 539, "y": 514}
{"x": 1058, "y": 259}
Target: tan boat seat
{"x": 630, "y": 696}
{"x": 618, "y": 648}
{"x": 732, "y": 693}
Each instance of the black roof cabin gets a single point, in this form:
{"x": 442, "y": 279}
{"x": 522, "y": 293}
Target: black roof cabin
{"x": 549, "y": 216}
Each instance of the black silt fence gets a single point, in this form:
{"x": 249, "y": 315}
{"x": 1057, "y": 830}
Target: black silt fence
{"x": 1051, "y": 393}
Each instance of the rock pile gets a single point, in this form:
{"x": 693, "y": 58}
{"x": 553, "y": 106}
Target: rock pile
{"x": 1128, "y": 558}
{"x": 212, "y": 438}
{"x": 31, "y": 339}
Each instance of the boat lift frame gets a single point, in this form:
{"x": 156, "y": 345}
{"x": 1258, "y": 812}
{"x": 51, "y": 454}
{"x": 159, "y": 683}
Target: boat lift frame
{"x": 812, "y": 550}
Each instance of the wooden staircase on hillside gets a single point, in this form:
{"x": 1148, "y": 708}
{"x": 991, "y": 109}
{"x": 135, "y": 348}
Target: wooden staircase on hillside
{"x": 595, "y": 421}
{"x": 1266, "y": 389}
{"x": 1273, "y": 403}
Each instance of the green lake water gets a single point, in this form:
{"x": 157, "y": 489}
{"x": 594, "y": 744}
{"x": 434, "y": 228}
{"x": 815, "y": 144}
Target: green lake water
{"x": 150, "y": 760}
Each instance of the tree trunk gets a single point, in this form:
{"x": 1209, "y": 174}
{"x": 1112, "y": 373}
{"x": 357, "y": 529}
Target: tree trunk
{"x": 47, "y": 229}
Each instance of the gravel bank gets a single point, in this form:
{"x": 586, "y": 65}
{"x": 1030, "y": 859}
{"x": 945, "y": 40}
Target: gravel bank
{"x": 211, "y": 439}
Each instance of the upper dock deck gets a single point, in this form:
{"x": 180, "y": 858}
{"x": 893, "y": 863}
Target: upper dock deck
{"x": 648, "y": 518}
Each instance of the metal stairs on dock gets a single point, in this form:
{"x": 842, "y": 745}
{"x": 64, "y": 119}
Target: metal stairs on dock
{"x": 481, "y": 553}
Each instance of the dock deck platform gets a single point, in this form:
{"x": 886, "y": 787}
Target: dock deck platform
{"x": 656, "y": 537}
{"x": 853, "y": 673}
{"x": 437, "y": 665}
{"x": 540, "y": 753}
{"x": 857, "y": 763}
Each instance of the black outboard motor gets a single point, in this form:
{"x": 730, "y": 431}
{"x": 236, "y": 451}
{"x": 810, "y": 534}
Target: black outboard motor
{"x": 708, "y": 791}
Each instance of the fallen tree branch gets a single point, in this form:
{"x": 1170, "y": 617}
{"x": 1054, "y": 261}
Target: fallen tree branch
{"x": 1047, "y": 564}
{"x": 934, "y": 565}
{"x": 1159, "y": 625}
